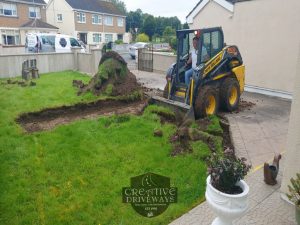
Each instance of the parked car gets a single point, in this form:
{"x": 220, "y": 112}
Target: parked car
{"x": 45, "y": 42}
{"x": 133, "y": 49}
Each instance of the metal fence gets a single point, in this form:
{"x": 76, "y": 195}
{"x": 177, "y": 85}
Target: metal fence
{"x": 145, "y": 59}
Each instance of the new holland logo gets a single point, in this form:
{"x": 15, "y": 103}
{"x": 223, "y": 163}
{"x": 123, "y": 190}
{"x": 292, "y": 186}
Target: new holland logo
{"x": 213, "y": 63}
{"x": 150, "y": 194}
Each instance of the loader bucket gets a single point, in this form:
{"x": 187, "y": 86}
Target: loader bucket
{"x": 182, "y": 111}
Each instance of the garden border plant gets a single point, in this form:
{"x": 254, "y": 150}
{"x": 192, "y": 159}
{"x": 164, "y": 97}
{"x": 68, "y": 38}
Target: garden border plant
{"x": 294, "y": 195}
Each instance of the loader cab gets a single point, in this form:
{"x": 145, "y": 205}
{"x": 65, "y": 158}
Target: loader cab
{"x": 210, "y": 43}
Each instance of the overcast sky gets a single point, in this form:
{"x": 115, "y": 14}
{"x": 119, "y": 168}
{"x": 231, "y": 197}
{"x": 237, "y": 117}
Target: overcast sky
{"x": 165, "y": 8}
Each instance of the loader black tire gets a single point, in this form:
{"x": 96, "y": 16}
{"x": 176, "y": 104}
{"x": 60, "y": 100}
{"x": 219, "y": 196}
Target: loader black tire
{"x": 206, "y": 102}
{"x": 230, "y": 94}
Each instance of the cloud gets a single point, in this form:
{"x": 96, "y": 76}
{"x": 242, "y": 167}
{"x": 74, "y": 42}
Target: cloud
{"x": 164, "y": 8}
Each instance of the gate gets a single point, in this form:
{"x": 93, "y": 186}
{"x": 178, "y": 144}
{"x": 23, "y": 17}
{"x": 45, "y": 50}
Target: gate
{"x": 145, "y": 59}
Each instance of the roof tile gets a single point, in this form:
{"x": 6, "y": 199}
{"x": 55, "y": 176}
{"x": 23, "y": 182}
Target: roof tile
{"x": 95, "y": 6}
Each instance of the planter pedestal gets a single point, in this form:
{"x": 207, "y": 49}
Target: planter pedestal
{"x": 227, "y": 207}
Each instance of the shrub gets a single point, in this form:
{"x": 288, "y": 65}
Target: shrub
{"x": 118, "y": 42}
{"x": 226, "y": 170}
{"x": 142, "y": 38}
{"x": 294, "y": 189}
{"x": 173, "y": 43}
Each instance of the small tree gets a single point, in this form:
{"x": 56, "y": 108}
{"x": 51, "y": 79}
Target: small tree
{"x": 149, "y": 26}
{"x": 173, "y": 43}
{"x": 142, "y": 38}
{"x": 185, "y": 26}
{"x": 168, "y": 32}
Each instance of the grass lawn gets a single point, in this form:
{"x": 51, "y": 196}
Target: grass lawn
{"x": 74, "y": 174}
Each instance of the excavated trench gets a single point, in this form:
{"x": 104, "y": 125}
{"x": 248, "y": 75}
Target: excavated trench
{"x": 48, "y": 119}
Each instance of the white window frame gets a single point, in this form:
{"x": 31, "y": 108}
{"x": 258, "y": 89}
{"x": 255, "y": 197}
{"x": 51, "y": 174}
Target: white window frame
{"x": 36, "y": 10}
{"x": 120, "y": 22}
{"x": 81, "y": 17}
{"x": 59, "y": 17}
{"x": 8, "y": 6}
{"x": 106, "y": 39}
{"x": 13, "y": 33}
{"x": 99, "y": 37}
{"x": 94, "y": 19}
{"x": 107, "y": 22}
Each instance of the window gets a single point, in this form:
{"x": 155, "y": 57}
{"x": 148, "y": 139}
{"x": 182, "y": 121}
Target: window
{"x": 96, "y": 19}
{"x": 8, "y": 9}
{"x": 34, "y": 12}
{"x": 120, "y": 22}
{"x": 59, "y": 17}
{"x": 109, "y": 21}
{"x": 48, "y": 40}
{"x": 108, "y": 38}
{"x": 212, "y": 44}
{"x": 96, "y": 38}
{"x": 10, "y": 37}
{"x": 81, "y": 17}
{"x": 120, "y": 37}
{"x": 74, "y": 42}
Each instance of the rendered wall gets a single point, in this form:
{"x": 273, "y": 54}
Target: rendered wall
{"x": 11, "y": 65}
{"x": 266, "y": 34}
{"x": 292, "y": 163}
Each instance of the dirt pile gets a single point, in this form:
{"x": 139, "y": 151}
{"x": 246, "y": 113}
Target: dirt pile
{"x": 245, "y": 106}
{"x": 113, "y": 78}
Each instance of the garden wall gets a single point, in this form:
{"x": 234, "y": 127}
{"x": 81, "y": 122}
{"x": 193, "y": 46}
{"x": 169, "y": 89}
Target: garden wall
{"x": 14, "y": 49}
{"x": 11, "y": 65}
{"x": 162, "y": 62}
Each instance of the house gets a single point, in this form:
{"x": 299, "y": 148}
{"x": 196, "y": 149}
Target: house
{"x": 18, "y": 17}
{"x": 266, "y": 33}
{"x": 92, "y": 21}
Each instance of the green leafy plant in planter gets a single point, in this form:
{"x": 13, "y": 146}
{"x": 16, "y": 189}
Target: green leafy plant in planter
{"x": 226, "y": 170}
{"x": 294, "y": 195}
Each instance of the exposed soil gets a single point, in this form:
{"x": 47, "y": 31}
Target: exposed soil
{"x": 227, "y": 141}
{"x": 234, "y": 191}
{"x": 47, "y": 119}
{"x": 21, "y": 83}
{"x": 244, "y": 106}
{"x": 184, "y": 135}
{"x": 113, "y": 78}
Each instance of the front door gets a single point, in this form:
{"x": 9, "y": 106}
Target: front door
{"x": 83, "y": 37}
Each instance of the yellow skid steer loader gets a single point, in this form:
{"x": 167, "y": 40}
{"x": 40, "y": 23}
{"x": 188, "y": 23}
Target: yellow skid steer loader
{"x": 216, "y": 82}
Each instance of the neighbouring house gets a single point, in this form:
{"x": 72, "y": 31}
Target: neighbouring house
{"x": 91, "y": 21}
{"x": 267, "y": 34}
{"x": 18, "y": 17}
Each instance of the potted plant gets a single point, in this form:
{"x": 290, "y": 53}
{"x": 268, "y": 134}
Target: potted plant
{"x": 226, "y": 192}
{"x": 294, "y": 195}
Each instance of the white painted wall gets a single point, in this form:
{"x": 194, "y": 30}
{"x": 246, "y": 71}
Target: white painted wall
{"x": 292, "y": 165}
{"x": 267, "y": 34}
{"x": 67, "y": 26}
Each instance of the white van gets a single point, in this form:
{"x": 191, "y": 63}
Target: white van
{"x": 45, "y": 42}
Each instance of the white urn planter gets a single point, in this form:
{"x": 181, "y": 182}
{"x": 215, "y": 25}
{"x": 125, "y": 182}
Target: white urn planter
{"x": 227, "y": 207}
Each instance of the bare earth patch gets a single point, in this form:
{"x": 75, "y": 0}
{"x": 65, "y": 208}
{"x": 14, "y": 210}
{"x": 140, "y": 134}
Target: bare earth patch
{"x": 47, "y": 119}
